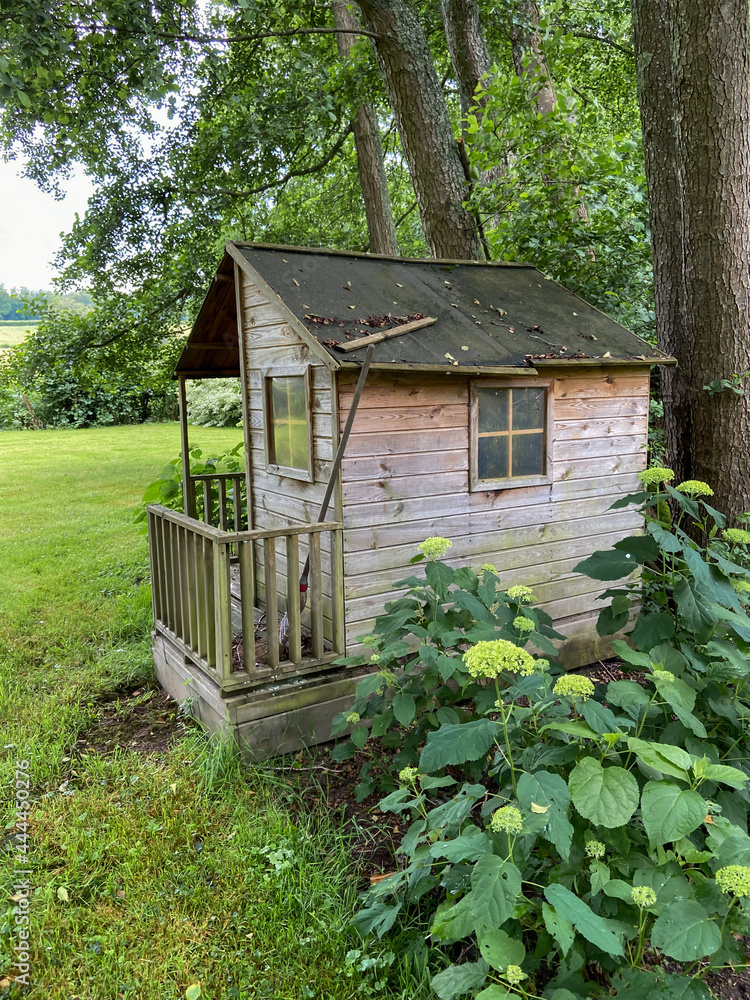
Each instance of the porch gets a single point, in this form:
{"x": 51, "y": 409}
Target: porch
{"x": 230, "y": 638}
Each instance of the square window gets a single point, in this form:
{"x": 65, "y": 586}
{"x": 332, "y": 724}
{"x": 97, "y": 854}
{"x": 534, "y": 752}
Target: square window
{"x": 288, "y": 426}
{"x": 508, "y": 436}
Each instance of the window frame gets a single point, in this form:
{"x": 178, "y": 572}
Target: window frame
{"x": 477, "y": 485}
{"x": 306, "y": 475}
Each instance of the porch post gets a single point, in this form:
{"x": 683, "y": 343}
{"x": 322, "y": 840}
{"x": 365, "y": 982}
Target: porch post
{"x": 245, "y": 391}
{"x": 188, "y": 485}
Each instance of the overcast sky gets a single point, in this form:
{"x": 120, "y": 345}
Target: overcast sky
{"x": 30, "y": 226}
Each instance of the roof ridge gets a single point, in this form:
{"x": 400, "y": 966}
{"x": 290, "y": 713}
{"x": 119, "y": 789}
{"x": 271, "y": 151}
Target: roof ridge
{"x": 379, "y": 256}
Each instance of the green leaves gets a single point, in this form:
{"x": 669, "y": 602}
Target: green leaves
{"x": 500, "y": 950}
{"x": 457, "y": 744}
{"x": 495, "y": 886}
{"x": 670, "y": 812}
{"x": 611, "y": 565}
{"x": 548, "y": 792}
{"x": 404, "y": 708}
{"x": 458, "y": 979}
{"x": 685, "y": 932}
{"x": 593, "y": 927}
{"x": 606, "y": 796}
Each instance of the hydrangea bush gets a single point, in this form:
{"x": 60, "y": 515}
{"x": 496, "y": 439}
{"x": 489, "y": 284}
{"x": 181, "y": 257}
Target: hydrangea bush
{"x": 565, "y": 836}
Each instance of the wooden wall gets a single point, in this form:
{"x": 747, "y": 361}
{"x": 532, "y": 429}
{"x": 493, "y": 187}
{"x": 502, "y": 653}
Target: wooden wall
{"x": 267, "y": 341}
{"x": 405, "y": 477}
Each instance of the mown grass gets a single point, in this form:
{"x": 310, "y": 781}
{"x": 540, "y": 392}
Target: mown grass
{"x": 14, "y": 332}
{"x": 152, "y": 873}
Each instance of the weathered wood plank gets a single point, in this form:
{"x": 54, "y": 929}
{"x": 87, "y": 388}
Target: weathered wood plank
{"x": 428, "y": 441}
{"x": 600, "y": 408}
{"x": 392, "y": 466}
{"x": 595, "y": 386}
{"x": 292, "y": 574}
{"x": 222, "y": 612}
{"x": 484, "y": 547}
{"x": 272, "y": 601}
{"x": 316, "y": 595}
{"x": 410, "y": 530}
{"x": 597, "y": 447}
{"x": 585, "y": 429}
{"x": 446, "y": 505}
{"x": 246, "y": 559}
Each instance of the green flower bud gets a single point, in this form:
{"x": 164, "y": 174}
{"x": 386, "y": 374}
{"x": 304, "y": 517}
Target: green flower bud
{"x": 508, "y": 819}
{"x": 643, "y": 896}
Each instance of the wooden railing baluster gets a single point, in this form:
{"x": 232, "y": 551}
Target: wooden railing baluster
{"x": 316, "y": 594}
{"x": 208, "y": 581}
{"x": 208, "y": 502}
{"x": 292, "y": 598}
{"x": 272, "y": 602}
{"x": 237, "y": 502}
{"x": 246, "y": 556}
{"x": 338, "y": 624}
{"x": 222, "y": 504}
{"x": 223, "y": 611}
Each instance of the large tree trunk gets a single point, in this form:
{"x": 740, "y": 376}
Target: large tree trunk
{"x": 696, "y": 120}
{"x": 468, "y": 52}
{"x": 528, "y": 59}
{"x": 425, "y": 128}
{"x": 370, "y": 162}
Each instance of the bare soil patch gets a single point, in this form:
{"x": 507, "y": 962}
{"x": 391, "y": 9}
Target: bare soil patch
{"x": 145, "y": 719}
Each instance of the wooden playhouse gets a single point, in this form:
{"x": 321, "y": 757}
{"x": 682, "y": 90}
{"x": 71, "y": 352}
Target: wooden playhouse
{"x": 499, "y": 410}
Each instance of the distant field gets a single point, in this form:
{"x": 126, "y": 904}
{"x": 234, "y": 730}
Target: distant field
{"x": 13, "y": 332}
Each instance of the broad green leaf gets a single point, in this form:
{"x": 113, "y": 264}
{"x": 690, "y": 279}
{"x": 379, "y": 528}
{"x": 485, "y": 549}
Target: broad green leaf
{"x": 447, "y": 665}
{"x": 427, "y": 782}
{"x": 469, "y": 603}
{"x": 496, "y": 992}
{"x": 500, "y": 949}
{"x": 617, "y": 889}
{"x": 495, "y": 886}
{"x": 378, "y": 918}
{"x": 652, "y": 629}
{"x": 626, "y": 693}
{"x": 572, "y": 728}
{"x": 456, "y": 809}
{"x": 685, "y": 932}
{"x": 731, "y": 776}
{"x": 583, "y": 918}
{"x": 614, "y": 617}
{"x": 632, "y": 656}
{"x": 462, "y": 848}
{"x": 359, "y": 736}
{"x": 665, "y": 539}
{"x": 404, "y": 708}
{"x": 549, "y": 791}
{"x": 193, "y": 992}
{"x": 634, "y": 984}
{"x": 439, "y": 576}
{"x": 454, "y": 921}
{"x": 600, "y": 876}
{"x": 610, "y": 565}
{"x": 457, "y": 744}
{"x": 606, "y": 796}
{"x": 381, "y": 723}
{"x": 666, "y": 762}
{"x": 627, "y": 500}
{"x": 670, "y": 812}
{"x": 642, "y": 548}
{"x": 697, "y": 615}
{"x": 458, "y": 979}
{"x": 369, "y": 685}
{"x": 560, "y": 928}
{"x": 601, "y": 719}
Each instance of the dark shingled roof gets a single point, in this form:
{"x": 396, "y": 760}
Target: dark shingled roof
{"x": 487, "y": 314}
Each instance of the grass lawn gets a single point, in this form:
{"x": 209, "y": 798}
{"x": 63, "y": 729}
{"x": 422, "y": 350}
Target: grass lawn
{"x": 13, "y": 332}
{"x": 152, "y": 872}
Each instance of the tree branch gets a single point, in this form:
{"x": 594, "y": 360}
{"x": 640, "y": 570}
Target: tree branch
{"x": 219, "y": 40}
{"x": 603, "y": 40}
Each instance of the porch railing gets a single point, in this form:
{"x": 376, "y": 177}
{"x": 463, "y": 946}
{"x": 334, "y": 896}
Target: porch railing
{"x": 223, "y": 487}
{"x": 191, "y": 567}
